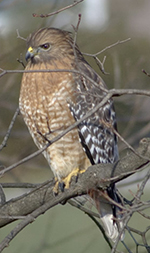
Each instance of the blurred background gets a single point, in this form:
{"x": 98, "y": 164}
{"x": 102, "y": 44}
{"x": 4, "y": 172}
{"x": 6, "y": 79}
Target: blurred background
{"x": 103, "y": 22}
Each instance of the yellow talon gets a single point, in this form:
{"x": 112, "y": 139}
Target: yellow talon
{"x": 82, "y": 171}
{"x": 66, "y": 181}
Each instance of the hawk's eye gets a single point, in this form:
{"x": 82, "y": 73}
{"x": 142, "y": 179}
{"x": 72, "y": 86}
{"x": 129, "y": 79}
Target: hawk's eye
{"x": 45, "y": 46}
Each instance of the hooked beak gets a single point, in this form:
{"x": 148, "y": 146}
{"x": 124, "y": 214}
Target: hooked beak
{"x": 30, "y": 53}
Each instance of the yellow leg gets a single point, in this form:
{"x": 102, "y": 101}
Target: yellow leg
{"x": 67, "y": 179}
{"x": 55, "y": 189}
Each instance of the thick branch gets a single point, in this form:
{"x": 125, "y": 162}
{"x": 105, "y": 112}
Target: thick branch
{"x": 97, "y": 176}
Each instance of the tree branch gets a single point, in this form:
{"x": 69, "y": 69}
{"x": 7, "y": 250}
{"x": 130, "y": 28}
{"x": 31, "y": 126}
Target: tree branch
{"x": 96, "y": 177}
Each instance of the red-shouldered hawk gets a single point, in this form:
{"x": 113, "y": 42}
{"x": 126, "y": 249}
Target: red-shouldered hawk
{"x": 52, "y": 101}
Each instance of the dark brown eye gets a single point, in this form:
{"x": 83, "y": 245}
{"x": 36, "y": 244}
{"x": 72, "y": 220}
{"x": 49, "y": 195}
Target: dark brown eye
{"x": 45, "y": 46}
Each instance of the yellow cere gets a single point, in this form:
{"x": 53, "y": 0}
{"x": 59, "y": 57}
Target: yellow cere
{"x": 30, "y": 49}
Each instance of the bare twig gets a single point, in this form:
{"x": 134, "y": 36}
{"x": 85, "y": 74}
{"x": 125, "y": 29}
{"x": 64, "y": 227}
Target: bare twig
{"x": 108, "y": 47}
{"x": 21, "y": 62}
{"x": 15, "y": 217}
{"x": 75, "y": 38}
{"x": 101, "y": 64}
{"x": 4, "y": 142}
{"x": 18, "y": 35}
{"x": 126, "y": 143}
{"x": 58, "y": 11}
{"x": 76, "y": 27}
{"x": 141, "y": 189}
{"x": 98, "y": 61}
{"x": 82, "y": 208}
{"x": 144, "y": 215}
{"x": 19, "y": 185}
{"x": 144, "y": 71}
{"x": 2, "y": 196}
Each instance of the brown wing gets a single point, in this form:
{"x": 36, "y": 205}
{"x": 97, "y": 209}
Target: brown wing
{"x": 96, "y": 132}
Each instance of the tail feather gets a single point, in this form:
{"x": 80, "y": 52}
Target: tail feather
{"x": 110, "y": 228}
{"x": 107, "y": 218}
{"x": 110, "y": 215}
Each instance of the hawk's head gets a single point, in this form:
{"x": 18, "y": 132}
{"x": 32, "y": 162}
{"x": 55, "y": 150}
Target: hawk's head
{"x": 48, "y": 44}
